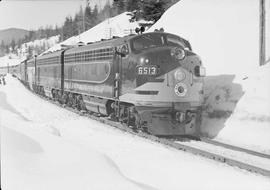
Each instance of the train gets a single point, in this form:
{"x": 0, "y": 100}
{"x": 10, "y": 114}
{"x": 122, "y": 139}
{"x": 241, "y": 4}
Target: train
{"x": 150, "y": 81}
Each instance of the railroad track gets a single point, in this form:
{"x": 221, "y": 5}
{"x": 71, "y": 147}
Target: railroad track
{"x": 235, "y": 156}
{"x": 189, "y": 146}
{"x": 236, "y": 148}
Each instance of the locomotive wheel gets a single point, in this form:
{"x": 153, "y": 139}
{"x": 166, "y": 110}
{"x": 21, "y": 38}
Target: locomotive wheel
{"x": 64, "y": 98}
{"x": 80, "y": 103}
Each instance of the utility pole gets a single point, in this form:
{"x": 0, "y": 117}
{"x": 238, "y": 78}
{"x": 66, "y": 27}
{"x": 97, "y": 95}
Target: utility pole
{"x": 262, "y": 33}
{"x": 83, "y": 16}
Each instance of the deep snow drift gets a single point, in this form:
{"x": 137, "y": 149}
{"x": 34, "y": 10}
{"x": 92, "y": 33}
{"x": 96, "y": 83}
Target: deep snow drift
{"x": 45, "y": 147}
{"x": 226, "y": 34}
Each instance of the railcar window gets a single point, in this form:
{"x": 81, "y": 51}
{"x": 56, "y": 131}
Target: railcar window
{"x": 147, "y": 41}
{"x": 94, "y": 55}
{"x": 50, "y": 60}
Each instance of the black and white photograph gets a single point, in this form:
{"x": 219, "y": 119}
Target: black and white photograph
{"x": 135, "y": 94}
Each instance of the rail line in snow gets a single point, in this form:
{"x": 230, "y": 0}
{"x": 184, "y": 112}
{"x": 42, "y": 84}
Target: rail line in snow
{"x": 237, "y": 156}
{"x": 186, "y": 146}
{"x": 236, "y": 148}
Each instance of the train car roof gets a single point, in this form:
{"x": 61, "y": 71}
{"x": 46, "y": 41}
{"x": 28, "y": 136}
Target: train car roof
{"x": 96, "y": 45}
{"x": 48, "y": 55}
{"x": 111, "y": 42}
{"x": 30, "y": 60}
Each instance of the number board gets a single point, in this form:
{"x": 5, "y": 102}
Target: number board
{"x": 147, "y": 70}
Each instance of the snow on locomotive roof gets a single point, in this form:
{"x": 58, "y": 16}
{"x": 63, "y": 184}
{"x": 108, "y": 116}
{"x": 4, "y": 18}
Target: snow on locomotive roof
{"x": 113, "y": 42}
{"x": 52, "y": 54}
{"x": 105, "y": 43}
{"x": 104, "y": 30}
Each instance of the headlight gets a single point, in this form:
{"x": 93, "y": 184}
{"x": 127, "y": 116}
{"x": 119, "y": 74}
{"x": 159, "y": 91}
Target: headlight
{"x": 141, "y": 60}
{"x": 179, "y": 75}
{"x": 144, "y": 60}
{"x": 200, "y": 71}
{"x": 180, "y": 89}
{"x": 178, "y": 53}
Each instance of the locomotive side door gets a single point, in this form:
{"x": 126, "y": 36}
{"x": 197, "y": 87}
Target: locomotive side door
{"x": 127, "y": 70}
{"x": 121, "y": 54}
{"x": 117, "y": 77}
{"x": 25, "y": 71}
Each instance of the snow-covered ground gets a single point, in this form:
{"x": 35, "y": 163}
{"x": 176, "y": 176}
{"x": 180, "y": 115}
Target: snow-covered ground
{"x": 44, "y": 146}
{"x": 9, "y": 60}
{"x": 45, "y": 43}
{"x": 226, "y": 36}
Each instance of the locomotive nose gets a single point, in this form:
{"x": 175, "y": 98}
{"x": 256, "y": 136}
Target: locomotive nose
{"x": 170, "y": 58}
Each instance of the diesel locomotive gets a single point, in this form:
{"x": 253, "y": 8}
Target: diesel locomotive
{"x": 151, "y": 81}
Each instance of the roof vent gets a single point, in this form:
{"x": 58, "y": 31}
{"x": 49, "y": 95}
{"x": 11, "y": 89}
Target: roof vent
{"x": 79, "y": 44}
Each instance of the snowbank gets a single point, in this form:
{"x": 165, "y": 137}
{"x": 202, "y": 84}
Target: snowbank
{"x": 226, "y": 34}
{"x": 46, "y": 147}
{"x": 9, "y": 60}
{"x": 48, "y": 162}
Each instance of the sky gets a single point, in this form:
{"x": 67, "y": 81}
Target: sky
{"x": 33, "y": 14}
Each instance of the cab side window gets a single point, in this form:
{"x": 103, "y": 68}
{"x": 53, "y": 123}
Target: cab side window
{"x": 123, "y": 50}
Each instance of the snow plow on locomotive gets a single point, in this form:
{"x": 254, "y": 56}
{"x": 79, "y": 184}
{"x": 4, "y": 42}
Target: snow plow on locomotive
{"x": 152, "y": 81}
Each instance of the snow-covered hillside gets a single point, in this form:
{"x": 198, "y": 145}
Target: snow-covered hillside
{"x": 23, "y": 51}
{"x": 115, "y": 26}
{"x": 226, "y": 34}
{"x": 9, "y": 60}
{"x": 42, "y": 44}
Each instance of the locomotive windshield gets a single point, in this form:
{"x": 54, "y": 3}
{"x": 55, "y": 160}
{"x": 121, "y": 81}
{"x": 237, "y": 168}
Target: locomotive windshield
{"x": 177, "y": 41}
{"x": 152, "y": 40}
{"x": 147, "y": 41}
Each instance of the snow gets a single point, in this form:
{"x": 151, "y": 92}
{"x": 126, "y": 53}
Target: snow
{"x": 233, "y": 154}
{"x": 44, "y": 146}
{"x": 47, "y": 147}
{"x": 237, "y": 95}
{"x": 9, "y": 60}
{"x": 49, "y": 163}
{"x": 22, "y": 52}
{"x": 115, "y": 26}
{"x": 45, "y": 43}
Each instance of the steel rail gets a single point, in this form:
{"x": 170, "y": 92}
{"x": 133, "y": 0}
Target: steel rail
{"x": 236, "y": 148}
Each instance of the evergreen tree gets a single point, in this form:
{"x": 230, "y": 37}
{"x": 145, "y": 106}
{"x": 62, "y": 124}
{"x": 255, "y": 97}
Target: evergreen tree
{"x": 88, "y": 18}
{"x": 12, "y": 45}
{"x": 119, "y": 6}
{"x": 2, "y": 45}
{"x": 152, "y": 10}
{"x": 29, "y": 52}
{"x": 77, "y": 25}
{"x": 67, "y": 28}
{"x": 132, "y": 5}
{"x": 80, "y": 21}
{"x": 95, "y": 15}
{"x": 2, "y": 48}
